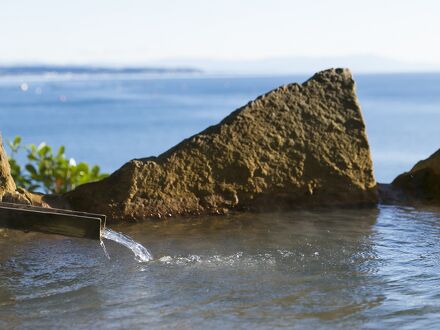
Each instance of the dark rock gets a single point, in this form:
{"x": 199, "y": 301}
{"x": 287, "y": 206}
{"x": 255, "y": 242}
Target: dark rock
{"x": 296, "y": 146}
{"x": 422, "y": 182}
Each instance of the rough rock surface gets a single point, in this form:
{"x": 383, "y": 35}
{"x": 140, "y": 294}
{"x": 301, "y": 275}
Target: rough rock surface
{"x": 423, "y": 180}
{"x": 7, "y": 183}
{"x": 296, "y": 146}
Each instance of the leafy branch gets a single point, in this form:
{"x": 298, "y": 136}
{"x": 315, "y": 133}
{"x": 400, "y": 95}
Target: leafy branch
{"x": 47, "y": 170}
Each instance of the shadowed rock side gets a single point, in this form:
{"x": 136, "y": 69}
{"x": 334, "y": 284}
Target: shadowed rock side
{"x": 422, "y": 181}
{"x": 296, "y": 146}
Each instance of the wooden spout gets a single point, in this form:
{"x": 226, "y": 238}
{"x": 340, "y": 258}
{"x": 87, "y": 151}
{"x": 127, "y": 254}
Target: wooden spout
{"x": 52, "y": 221}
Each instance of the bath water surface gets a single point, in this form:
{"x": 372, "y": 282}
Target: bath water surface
{"x": 368, "y": 268}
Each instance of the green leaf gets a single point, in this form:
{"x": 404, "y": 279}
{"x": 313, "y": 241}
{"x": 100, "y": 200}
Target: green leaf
{"x": 95, "y": 170}
{"x": 44, "y": 150}
{"x": 17, "y": 140}
{"x": 82, "y": 167}
{"x": 31, "y": 169}
{"x": 61, "y": 151}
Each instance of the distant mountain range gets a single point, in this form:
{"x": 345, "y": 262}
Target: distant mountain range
{"x": 303, "y": 64}
{"x": 85, "y": 69}
{"x": 273, "y": 65}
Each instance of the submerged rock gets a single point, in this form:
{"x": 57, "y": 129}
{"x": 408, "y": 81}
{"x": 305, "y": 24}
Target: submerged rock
{"x": 296, "y": 146}
{"x": 422, "y": 181}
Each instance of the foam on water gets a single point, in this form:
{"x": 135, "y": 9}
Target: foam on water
{"x": 140, "y": 252}
{"x": 268, "y": 258}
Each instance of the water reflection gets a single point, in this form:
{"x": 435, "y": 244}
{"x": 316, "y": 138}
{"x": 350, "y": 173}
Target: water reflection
{"x": 342, "y": 268}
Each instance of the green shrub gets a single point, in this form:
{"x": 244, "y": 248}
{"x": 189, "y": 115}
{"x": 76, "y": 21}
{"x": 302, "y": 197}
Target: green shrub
{"x": 48, "y": 171}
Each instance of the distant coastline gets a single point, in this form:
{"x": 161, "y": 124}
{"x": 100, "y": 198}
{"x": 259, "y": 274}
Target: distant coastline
{"x": 21, "y": 70}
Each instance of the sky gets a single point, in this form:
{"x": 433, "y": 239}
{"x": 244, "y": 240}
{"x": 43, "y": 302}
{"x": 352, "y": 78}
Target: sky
{"x": 140, "y": 32}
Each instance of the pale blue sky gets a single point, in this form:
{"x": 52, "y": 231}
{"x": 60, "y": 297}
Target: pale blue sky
{"x": 138, "y": 32}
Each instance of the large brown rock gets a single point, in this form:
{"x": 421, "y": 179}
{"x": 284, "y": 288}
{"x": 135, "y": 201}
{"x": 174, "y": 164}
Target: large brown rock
{"x": 422, "y": 181}
{"x": 296, "y": 146}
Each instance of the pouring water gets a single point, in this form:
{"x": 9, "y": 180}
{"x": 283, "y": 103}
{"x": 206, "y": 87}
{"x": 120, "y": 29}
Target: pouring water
{"x": 141, "y": 253}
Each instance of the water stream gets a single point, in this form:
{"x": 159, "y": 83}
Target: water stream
{"x": 140, "y": 252}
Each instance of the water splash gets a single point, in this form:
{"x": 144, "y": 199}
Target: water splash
{"x": 140, "y": 252}
{"x": 105, "y": 249}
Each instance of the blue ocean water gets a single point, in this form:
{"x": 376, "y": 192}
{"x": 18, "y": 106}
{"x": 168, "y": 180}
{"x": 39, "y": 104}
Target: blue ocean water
{"x": 110, "y": 119}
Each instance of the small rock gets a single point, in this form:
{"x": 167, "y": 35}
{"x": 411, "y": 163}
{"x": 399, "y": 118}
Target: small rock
{"x": 422, "y": 181}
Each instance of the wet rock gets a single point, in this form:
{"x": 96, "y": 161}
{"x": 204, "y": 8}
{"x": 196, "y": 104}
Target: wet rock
{"x": 422, "y": 182}
{"x": 296, "y": 146}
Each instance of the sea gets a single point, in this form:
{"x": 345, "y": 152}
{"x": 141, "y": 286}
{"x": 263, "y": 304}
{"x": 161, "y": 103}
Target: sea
{"x": 108, "y": 119}
{"x": 368, "y": 268}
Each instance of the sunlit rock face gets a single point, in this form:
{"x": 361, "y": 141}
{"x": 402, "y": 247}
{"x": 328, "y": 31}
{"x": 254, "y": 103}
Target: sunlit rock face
{"x": 422, "y": 181}
{"x": 299, "y": 145}
{"x": 6, "y": 182}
